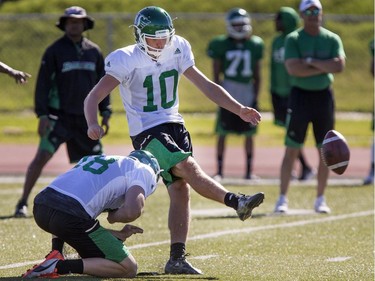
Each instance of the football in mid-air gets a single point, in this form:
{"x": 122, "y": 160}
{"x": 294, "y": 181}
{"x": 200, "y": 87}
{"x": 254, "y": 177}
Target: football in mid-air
{"x": 335, "y": 152}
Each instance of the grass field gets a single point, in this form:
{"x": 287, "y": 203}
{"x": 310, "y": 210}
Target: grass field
{"x": 299, "y": 246}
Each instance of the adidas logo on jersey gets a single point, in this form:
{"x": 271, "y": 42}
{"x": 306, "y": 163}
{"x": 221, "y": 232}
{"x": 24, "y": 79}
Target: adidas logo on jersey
{"x": 108, "y": 64}
{"x": 177, "y": 51}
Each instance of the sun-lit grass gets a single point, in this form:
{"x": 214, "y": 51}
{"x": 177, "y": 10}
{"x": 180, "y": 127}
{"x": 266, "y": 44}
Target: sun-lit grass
{"x": 267, "y": 247}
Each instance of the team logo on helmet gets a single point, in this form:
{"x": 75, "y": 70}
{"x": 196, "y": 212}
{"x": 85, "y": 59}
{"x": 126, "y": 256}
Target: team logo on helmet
{"x": 141, "y": 21}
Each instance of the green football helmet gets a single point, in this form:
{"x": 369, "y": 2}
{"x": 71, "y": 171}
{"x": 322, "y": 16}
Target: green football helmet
{"x": 147, "y": 158}
{"x": 153, "y": 23}
{"x": 238, "y": 23}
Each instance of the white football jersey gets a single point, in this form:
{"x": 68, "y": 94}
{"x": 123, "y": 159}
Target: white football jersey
{"x": 100, "y": 182}
{"x": 149, "y": 89}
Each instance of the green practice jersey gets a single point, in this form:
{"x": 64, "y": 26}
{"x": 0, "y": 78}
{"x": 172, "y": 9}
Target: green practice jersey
{"x": 238, "y": 57}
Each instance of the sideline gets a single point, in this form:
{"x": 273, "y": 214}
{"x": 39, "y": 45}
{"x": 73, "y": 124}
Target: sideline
{"x": 229, "y": 232}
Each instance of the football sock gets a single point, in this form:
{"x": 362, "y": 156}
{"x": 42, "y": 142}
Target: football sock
{"x": 231, "y": 200}
{"x": 57, "y": 244}
{"x": 249, "y": 158}
{"x": 302, "y": 161}
{"x": 177, "y": 250}
{"x": 69, "y": 266}
{"x": 220, "y": 165}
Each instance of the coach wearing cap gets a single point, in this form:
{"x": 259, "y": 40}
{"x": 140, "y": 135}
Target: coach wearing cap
{"x": 312, "y": 55}
{"x": 70, "y": 68}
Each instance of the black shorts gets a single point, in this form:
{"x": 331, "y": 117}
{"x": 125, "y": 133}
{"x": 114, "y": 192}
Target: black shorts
{"x": 230, "y": 123}
{"x": 280, "y": 108}
{"x": 170, "y": 143}
{"x": 72, "y": 130}
{"x": 317, "y": 107}
{"x": 83, "y": 233}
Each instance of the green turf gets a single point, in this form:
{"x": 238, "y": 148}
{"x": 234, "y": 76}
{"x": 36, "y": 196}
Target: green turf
{"x": 306, "y": 246}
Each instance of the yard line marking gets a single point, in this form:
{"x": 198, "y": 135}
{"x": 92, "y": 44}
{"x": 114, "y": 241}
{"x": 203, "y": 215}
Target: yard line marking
{"x": 228, "y": 232}
{"x": 260, "y": 228}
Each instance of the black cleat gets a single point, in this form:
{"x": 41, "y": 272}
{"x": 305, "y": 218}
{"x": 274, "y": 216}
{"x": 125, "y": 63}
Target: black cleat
{"x": 180, "y": 266}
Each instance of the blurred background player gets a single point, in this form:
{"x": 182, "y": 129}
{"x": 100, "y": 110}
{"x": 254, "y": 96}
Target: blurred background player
{"x": 19, "y": 76}
{"x": 152, "y": 67}
{"x": 312, "y": 55}
{"x": 237, "y": 67}
{"x": 70, "y": 68}
{"x": 370, "y": 177}
{"x": 68, "y": 209}
{"x": 286, "y": 21}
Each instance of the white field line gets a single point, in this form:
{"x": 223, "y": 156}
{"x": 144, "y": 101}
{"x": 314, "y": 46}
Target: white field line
{"x": 230, "y": 232}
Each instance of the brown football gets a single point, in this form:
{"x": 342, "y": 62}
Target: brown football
{"x": 335, "y": 152}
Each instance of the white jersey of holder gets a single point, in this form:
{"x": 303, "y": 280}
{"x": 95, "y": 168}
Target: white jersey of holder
{"x": 100, "y": 182}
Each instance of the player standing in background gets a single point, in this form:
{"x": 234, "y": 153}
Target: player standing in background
{"x": 286, "y": 21}
{"x": 148, "y": 74}
{"x": 312, "y": 55}
{"x": 237, "y": 68}
{"x": 370, "y": 177}
{"x": 70, "y": 68}
{"x": 20, "y": 76}
{"x": 68, "y": 209}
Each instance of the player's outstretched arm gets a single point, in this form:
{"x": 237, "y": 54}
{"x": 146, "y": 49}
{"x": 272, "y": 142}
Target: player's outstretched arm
{"x": 104, "y": 87}
{"x": 220, "y": 96}
{"x": 19, "y": 76}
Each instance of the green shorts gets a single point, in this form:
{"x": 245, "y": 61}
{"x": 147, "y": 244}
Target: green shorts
{"x": 170, "y": 143}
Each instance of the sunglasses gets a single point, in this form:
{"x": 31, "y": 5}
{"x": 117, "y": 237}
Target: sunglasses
{"x": 314, "y": 12}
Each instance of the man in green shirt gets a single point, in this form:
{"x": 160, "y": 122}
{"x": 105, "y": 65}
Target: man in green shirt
{"x": 286, "y": 21}
{"x": 312, "y": 55}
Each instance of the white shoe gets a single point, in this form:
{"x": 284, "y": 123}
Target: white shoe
{"x": 217, "y": 177}
{"x": 281, "y": 205}
{"x": 321, "y": 206}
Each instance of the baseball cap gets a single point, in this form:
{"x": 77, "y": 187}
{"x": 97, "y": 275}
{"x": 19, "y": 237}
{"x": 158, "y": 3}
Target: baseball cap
{"x": 78, "y": 13}
{"x": 305, "y": 4}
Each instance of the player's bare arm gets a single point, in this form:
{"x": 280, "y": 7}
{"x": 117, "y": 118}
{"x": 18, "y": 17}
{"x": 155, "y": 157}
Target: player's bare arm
{"x": 132, "y": 207}
{"x": 96, "y": 95}
{"x": 335, "y": 65}
{"x": 19, "y": 76}
{"x": 220, "y": 96}
{"x": 301, "y": 68}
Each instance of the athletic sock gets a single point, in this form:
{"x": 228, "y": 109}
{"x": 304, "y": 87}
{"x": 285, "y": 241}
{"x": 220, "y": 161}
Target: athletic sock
{"x": 249, "y": 159}
{"x": 220, "y": 165}
{"x": 57, "y": 244}
{"x": 69, "y": 266}
{"x": 303, "y": 162}
{"x": 177, "y": 250}
{"x": 231, "y": 200}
